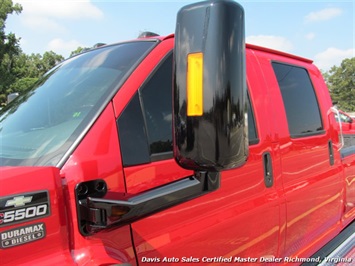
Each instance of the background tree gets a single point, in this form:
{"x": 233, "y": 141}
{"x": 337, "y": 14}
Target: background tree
{"x": 28, "y": 69}
{"x": 19, "y": 71}
{"x": 9, "y": 47}
{"x": 8, "y": 42}
{"x": 341, "y": 84}
{"x": 78, "y": 50}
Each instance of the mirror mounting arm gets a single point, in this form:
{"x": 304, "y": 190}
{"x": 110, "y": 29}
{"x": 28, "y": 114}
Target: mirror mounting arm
{"x": 98, "y": 211}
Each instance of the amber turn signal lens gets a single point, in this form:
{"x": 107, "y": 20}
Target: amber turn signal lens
{"x": 195, "y": 84}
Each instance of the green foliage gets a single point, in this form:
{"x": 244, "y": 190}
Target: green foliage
{"x": 9, "y": 48}
{"x": 78, "y": 50}
{"x": 25, "y": 71}
{"x": 35, "y": 65}
{"x": 19, "y": 71}
{"x": 6, "y": 8}
{"x": 22, "y": 84}
{"x": 341, "y": 84}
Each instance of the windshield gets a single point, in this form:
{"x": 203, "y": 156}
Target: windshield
{"x": 39, "y": 127}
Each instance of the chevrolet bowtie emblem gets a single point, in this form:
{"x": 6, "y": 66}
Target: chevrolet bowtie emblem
{"x": 18, "y": 201}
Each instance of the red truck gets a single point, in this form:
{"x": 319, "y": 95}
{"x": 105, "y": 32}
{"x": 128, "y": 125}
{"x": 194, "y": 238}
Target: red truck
{"x": 193, "y": 148}
{"x": 347, "y": 122}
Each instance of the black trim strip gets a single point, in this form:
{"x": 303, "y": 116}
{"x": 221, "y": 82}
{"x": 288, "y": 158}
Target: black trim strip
{"x": 308, "y": 134}
{"x": 155, "y": 157}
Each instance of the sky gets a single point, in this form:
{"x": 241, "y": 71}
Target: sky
{"x": 323, "y": 31}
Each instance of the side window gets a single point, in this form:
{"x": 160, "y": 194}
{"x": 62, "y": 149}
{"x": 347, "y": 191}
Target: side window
{"x": 156, "y": 95}
{"x": 145, "y": 126}
{"x": 252, "y": 134}
{"x": 132, "y": 134}
{"x": 299, "y": 99}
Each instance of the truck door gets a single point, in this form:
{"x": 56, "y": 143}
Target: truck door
{"x": 239, "y": 222}
{"x": 309, "y": 168}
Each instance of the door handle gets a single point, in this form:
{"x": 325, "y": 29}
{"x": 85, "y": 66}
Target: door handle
{"x": 102, "y": 211}
{"x": 331, "y": 152}
{"x": 268, "y": 174}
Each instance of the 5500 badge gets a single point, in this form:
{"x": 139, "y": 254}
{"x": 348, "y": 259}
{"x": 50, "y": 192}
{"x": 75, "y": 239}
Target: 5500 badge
{"x": 24, "y": 207}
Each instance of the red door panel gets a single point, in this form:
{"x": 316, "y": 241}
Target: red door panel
{"x": 312, "y": 185}
{"x": 240, "y": 219}
{"x": 313, "y": 193}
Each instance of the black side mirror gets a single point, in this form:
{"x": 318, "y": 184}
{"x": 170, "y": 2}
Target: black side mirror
{"x": 210, "y": 86}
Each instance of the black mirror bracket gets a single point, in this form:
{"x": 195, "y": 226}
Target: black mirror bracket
{"x": 98, "y": 210}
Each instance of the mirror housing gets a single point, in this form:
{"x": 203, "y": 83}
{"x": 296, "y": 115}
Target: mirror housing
{"x": 210, "y": 115}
